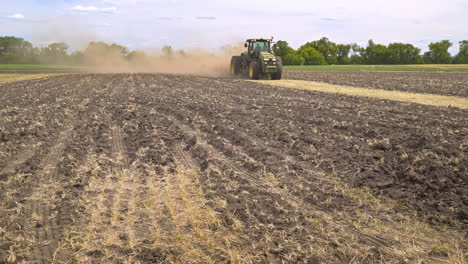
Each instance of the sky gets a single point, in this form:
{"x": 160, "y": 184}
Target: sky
{"x": 185, "y": 24}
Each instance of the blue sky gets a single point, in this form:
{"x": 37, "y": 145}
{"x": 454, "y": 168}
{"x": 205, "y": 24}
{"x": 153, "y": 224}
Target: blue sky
{"x": 150, "y": 24}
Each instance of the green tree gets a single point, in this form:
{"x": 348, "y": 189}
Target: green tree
{"x": 102, "y": 53}
{"x": 356, "y": 54}
{"x": 462, "y": 56}
{"x": 104, "y": 48}
{"x": 356, "y": 59}
{"x": 311, "y": 56}
{"x": 438, "y": 53}
{"x": 399, "y": 53}
{"x": 283, "y": 49}
{"x": 118, "y": 49}
{"x": 16, "y": 50}
{"x": 77, "y": 58}
{"x": 55, "y": 53}
{"x": 368, "y": 53}
{"x": 375, "y": 53}
{"x": 342, "y": 53}
{"x": 293, "y": 58}
{"x": 355, "y": 49}
{"x": 326, "y": 47}
{"x": 288, "y": 54}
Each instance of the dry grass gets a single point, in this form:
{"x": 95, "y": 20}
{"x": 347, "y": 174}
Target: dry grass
{"x": 426, "y": 99}
{"x": 374, "y": 223}
{"x": 168, "y": 214}
{"x": 21, "y": 77}
{"x": 409, "y": 238}
{"x": 171, "y": 215}
{"x": 197, "y": 228}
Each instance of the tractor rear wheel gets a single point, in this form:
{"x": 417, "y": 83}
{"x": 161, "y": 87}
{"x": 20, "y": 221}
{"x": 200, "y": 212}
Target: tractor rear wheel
{"x": 279, "y": 70}
{"x": 235, "y": 65}
{"x": 254, "y": 70}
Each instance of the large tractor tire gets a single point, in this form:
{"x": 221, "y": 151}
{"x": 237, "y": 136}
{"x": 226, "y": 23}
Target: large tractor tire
{"x": 235, "y": 65}
{"x": 279, "y": 66}
{"x": 255, "y": 70}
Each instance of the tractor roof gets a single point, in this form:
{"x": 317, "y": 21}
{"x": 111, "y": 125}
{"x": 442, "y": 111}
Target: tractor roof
{"x": 259, "y": 40}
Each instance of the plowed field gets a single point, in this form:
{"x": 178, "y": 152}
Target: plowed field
{"x": 151, "y": 168}
{"x": 444, "y": 83}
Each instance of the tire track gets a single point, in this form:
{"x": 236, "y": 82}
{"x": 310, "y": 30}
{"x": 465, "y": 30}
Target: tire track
{"x": 39, "y": 215}
{"x": 193, "y": 183}
{"x": 183, "y": 158}
{"x": 38, "y": 195}
{"x": 151, "y": 222}
{"x": 260, "y": 182}
{"x": 24, "y": 155}
{"x": 297, "y": 200}
{"x": 173, "y": 202}
{"x": 111, "y": 190}
{"x": 121, "y": 186}
{"x": 119, "y": 152}
{"x": 215, "y": 154}
{"x": 144, "y": 191}
{"x": 124, "y": 198}
{"x": 253, "y": 141}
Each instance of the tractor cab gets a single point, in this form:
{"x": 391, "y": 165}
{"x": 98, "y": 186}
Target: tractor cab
{"x": 255, "y": 46}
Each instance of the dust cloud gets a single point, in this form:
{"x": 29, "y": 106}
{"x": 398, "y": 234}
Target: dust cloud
{"x": 194, "y": 62}
{"x": 104, "y": 57}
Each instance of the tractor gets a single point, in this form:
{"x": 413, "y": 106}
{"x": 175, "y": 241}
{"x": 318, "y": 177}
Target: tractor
{"x": 259, "y": 61}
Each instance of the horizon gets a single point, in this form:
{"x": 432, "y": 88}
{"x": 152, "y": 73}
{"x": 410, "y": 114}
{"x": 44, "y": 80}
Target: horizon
{"x": 148, "y": 25}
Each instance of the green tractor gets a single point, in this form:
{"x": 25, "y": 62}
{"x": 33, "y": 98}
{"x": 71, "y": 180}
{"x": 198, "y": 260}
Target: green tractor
{"x": 259, "y": 61}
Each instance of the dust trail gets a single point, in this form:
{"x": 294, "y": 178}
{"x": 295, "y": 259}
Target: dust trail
{"x": 194, "y": 62}
{"x": 97, "y": 53}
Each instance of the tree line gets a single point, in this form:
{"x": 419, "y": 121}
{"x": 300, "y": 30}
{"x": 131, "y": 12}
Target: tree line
{"x": 319, "y": 52}
{"x": 324, "y": 51}
{"x": 19, "y": 51}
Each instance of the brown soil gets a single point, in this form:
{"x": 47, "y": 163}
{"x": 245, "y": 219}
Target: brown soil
{"x": 444, "y": 83}
{"x": 36, "y": 71}
{"x": 163, "y": 168}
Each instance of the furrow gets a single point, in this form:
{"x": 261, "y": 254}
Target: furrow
{"x": 39, "y": 216}
{"x": 23, "y": 156}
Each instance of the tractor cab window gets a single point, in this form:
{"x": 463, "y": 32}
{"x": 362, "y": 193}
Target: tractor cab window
{"x": 260, "y": 46}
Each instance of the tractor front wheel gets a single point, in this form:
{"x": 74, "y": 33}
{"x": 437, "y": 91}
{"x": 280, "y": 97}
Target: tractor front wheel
{"x": 254, "y": 70}
{"x": 279, "y": 70}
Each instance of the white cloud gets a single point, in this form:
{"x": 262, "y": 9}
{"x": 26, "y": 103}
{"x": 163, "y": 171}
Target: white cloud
{"x": 206, "y": 18}
{"x": 415, "y": 21}
{"x": 94, "y": 9}
{"x": 17, "y": 16}
{"x": 113, "y": 2}
{"x": 130, "y": 2}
